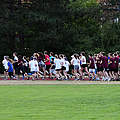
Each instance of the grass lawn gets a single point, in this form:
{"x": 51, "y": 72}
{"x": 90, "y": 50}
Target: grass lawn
{"x": 60, "y": 102}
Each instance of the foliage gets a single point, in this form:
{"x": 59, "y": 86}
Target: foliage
{"x": 60, "y": 26}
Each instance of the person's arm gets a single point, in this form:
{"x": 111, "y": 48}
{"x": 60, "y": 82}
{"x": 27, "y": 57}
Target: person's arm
{"x": 89, "y": 62}
{"x": 72, "y": 62}
{"x": 8, "y": 65}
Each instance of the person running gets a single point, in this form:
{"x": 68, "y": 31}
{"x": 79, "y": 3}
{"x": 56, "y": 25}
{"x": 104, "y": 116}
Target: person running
{"x": 57, "y": 67}
{"x": 51, "y": 56}
{"x": 42, "y": 65}
{"x": 67, "y": 65}
{"x": 75, "y": 63}
{"x": 111, "y": 67}
{"x": 32, "y": 67}
{"x": 84, "y": 64}
{"x": 105, "y": 67}
{"x": 5, "y": 64}
{"x": 91, "y": 68}
{"x": 116, "y": 60}
{"x": 15, "y": 64}
{"x": 10, "y": 68}
{"x": 47, "y": 61}
{"x": 99, "y": 67}
{"x": 52, "y": 69}
{"x": 20, "y": 67}
{"x": 71, "y": 65}
{"x": 63, "y": 67}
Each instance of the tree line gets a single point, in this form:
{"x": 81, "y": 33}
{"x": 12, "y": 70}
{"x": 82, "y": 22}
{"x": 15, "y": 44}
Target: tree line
{"x": 63, "y": 26}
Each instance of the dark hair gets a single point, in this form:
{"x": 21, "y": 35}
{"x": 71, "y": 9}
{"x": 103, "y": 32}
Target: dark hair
{"x": 52, "y": 59}
{"x": 45, "y": 52}
{"x": 110, "y": 54}
{"x": 31, "y": 58}
{"x": 15, "y": 53}
{"x": 20, "y": 57}
{"x": 83, "y": 53}
{"x": 115, "y": 54}
{"x": 75, "y": 56}
{"x": 90, "y": 55}
{"x": 52, "y": 53}
{"x": 56, "y": 55}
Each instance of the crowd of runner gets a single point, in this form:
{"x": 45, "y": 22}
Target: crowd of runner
{"x": 42, "y": 65}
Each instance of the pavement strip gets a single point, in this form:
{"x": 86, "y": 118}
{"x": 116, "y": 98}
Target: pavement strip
{"x": 46, "y": 82}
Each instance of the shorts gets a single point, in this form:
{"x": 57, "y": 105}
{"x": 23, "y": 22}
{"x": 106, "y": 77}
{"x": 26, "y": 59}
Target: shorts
{"x": 48, "y": 67}
{"x": 10, "y": 74}
{"x": 92, "y": 70}
{"x": 52, "y": 71}
{"x": 106, "y": 69}
{"x": 99, "y": 69}
{"x": 57, "y": 69}
{"x": 32, "y": 72}
{"x": 76, "y": 67}
{"x": 63, "y": 68}
{"x": 116, "y": 70}
{"x": 15, "y": 65}
{"x": 5, "y": 70}
{"x": 112, "y": 69}
{"x": 84, "y": 65}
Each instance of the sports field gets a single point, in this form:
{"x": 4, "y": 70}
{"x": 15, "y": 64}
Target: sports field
{"x": 60, "y": 102}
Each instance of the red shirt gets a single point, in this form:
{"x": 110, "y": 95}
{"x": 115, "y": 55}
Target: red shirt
{"x": 47, "y": 60}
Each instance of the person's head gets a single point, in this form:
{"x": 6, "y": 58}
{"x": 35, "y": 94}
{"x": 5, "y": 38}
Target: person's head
{"x": 103, "y": 53}
{"x": 28, "y": 59}
{"x": 45, "y": 52}
{"x": 83, "y": 53}
{"x": 95, "y": 55}
{"x": 14, "y": 54}
{"x": 75, "y": 56}
{"x": 90, "y": 55}
{"x": 31, "y": 58}
{"x": 51, "y": 54}
{"x": 115, "y": 55}
{"x": 61, "y": 56}
{"x": 20, "y": 57}
{"x": 40, "y": 54}
{"x": 110, "y": 55}
{"x": 5, "y": 57}
{"x": 56, "y": 56}
{"x": 10, "y": 60}
{"x": 52, "y": 59}
{"x": 24, "y": 57}
{"x": 35, "y": 55}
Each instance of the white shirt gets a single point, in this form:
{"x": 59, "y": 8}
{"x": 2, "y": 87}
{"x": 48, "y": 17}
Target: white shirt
{"x": 57, "y": 63}
{"x": 62, "y": 61}
{"x": 74, "y": 61}
{"x": 67, "y": 64}
{"x": 5, "y": 64}
{"x": 33, "y": 64}
{"x": 15, "y": 58}
{"x": 83, "y": 60}
{"x": 36, "y": 65}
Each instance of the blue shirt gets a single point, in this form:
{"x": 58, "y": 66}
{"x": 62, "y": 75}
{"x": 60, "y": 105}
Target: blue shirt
{"x": 51, "y": 58}
{"x": 10, "y": 67}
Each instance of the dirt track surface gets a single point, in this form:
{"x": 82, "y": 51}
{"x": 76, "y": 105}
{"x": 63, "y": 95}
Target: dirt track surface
{"x": 46, "y": 82}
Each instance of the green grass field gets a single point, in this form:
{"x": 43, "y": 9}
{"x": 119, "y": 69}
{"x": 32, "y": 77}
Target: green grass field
{"x": 60, "y": 102}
